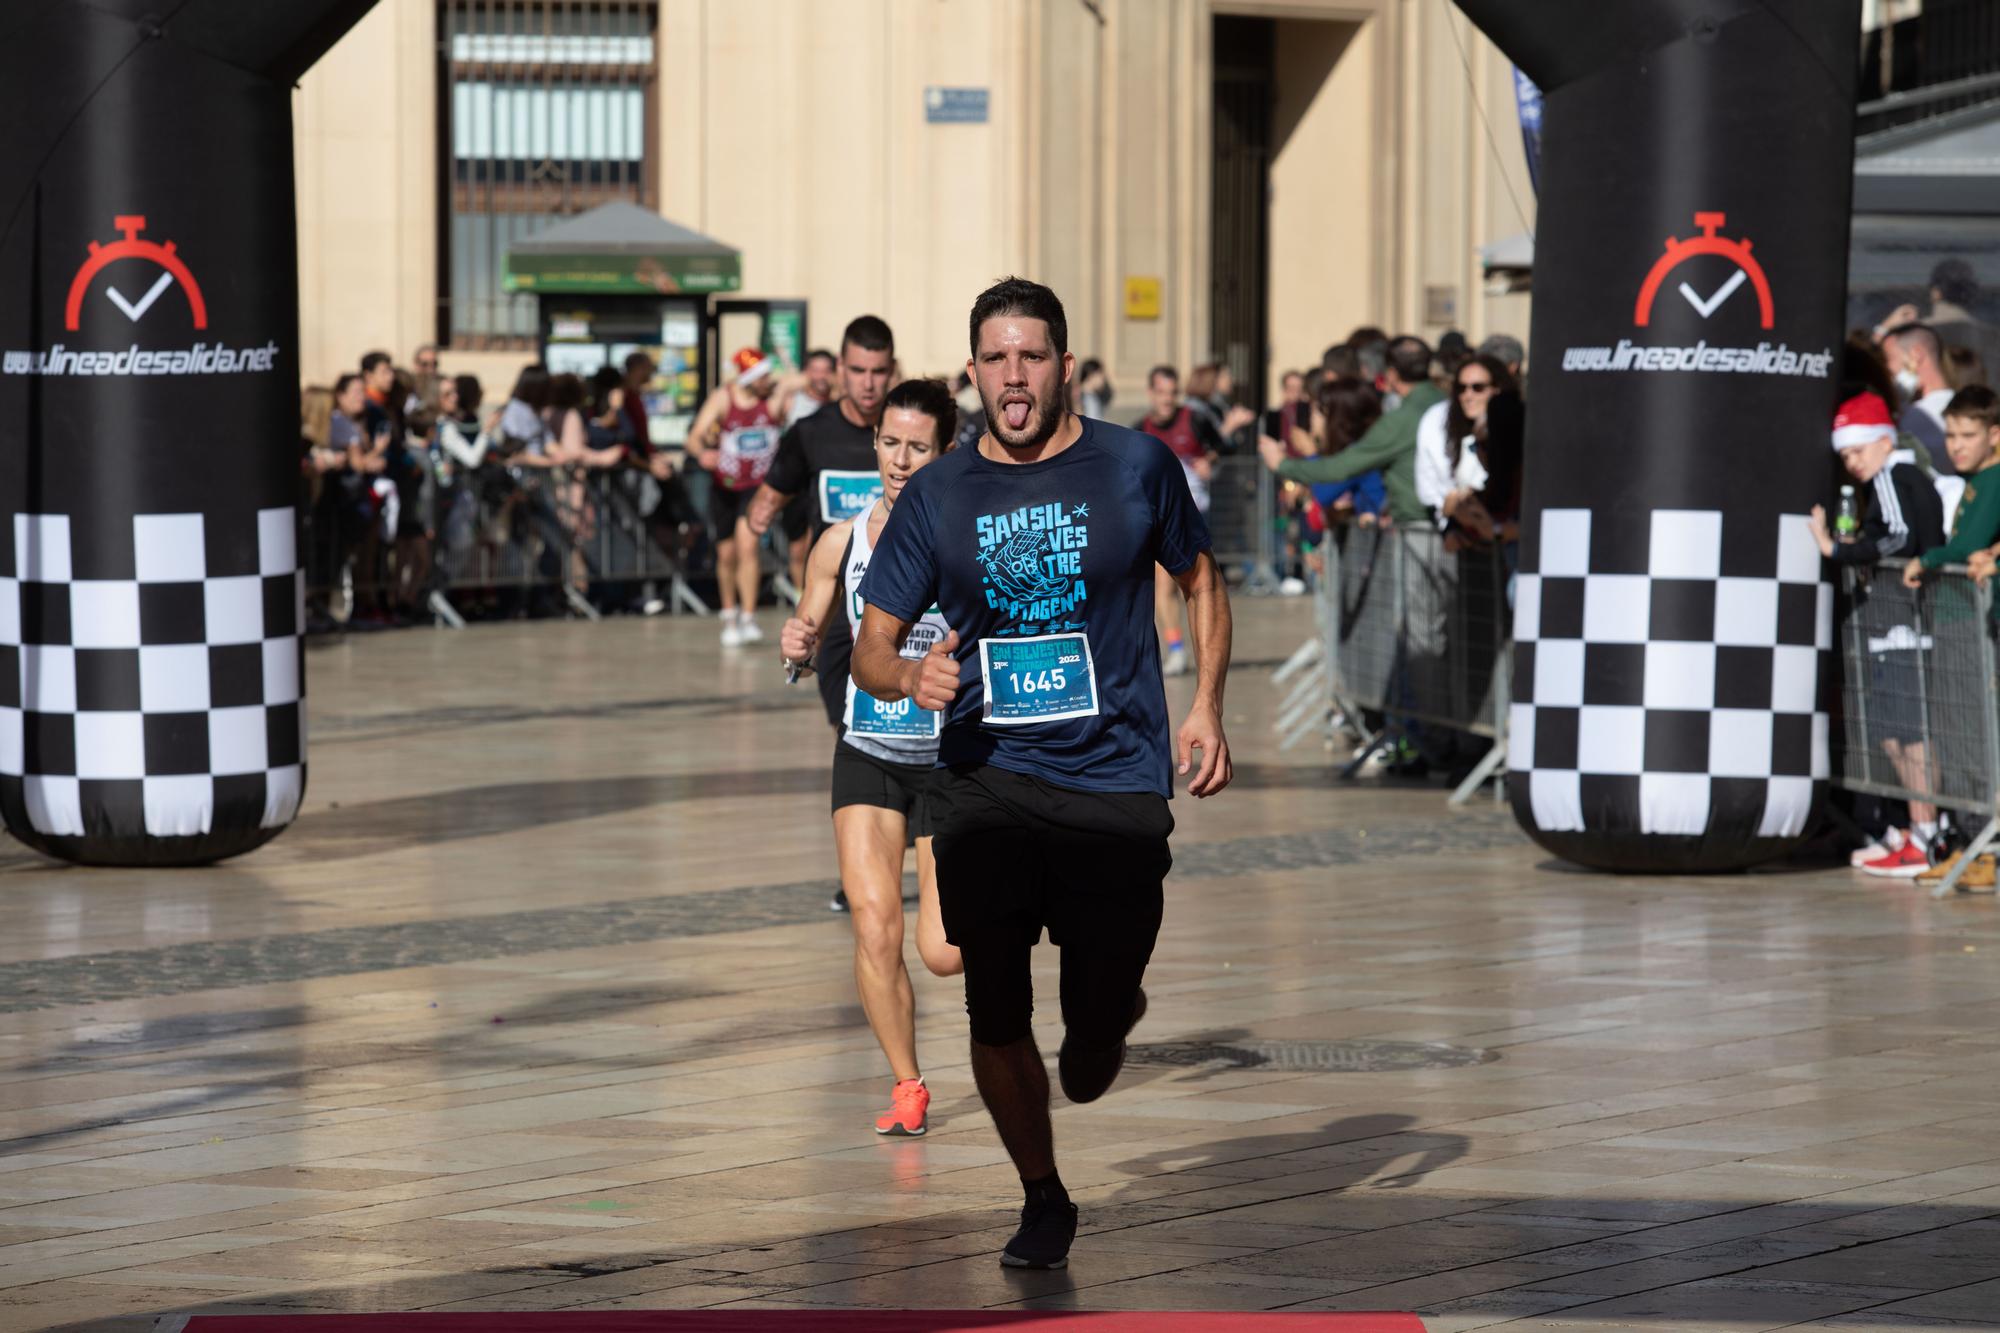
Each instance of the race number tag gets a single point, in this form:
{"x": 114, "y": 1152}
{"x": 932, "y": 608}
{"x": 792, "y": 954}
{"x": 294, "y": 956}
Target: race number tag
{"x": 842, "y": 495}
{"x": 747, "y": 454}
{"x": 901, "y": 720}
{"x": 1042, "y": 679}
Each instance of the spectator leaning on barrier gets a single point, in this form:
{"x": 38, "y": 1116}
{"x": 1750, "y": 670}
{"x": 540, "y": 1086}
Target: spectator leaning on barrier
{"x": 1348, "y": 408}
{"x": 1972, "y": 434}
{"x": 1389, "y": 445}
{"x": 1208, "y": 396}
{"x": 1902, "y": 517}
{"x": 1451, "y": 468}
{"x": 1903, "y": 514}
{"x": 378, "y": 379}
{"x": 1292, "y": 415}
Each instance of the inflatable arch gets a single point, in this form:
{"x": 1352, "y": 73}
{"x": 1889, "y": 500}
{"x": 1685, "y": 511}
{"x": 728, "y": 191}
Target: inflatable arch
{"x": 151, "y": 689}
{"x": 1673, "y": 625}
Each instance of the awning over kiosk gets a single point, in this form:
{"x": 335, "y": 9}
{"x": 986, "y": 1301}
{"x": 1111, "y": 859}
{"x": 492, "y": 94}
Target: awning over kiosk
{"x": 622, "y": 248}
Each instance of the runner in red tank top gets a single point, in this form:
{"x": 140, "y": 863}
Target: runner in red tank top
{"x": 1194, "y": 442}
{"x": 735, "y": 438}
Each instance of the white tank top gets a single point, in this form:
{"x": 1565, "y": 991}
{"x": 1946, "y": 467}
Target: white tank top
{"x": 901, "y": 732}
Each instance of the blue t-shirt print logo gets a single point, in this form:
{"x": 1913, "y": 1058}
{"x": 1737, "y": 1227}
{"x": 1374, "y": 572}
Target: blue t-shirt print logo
{"x": 1033, "y": 562}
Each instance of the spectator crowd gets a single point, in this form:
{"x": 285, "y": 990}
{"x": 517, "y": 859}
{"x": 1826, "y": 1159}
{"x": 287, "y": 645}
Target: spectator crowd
{"x": 417, "y": 482}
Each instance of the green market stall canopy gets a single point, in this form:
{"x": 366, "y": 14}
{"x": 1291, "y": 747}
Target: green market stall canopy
{"x": 622, "y": 248}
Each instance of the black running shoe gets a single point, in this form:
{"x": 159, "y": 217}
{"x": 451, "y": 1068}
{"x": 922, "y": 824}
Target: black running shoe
{"x": 1087, "y": 1075}
{"x": 838, "y": 902}
{"x": 1043, "y": 1241}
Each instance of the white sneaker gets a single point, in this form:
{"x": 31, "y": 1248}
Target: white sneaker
{"x": 747, "y": 631}
{"x": 1176, "y": 662}
{"x": 1291, "y": 587}
{"x": 653, "y": 606}
{"x": 732, "y": 631}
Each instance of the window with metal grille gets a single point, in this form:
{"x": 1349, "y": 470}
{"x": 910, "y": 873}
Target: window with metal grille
{"x": 545, "y": 109}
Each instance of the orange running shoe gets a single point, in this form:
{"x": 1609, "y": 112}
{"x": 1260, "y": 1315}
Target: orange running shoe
{"x": 907, "y": 1105}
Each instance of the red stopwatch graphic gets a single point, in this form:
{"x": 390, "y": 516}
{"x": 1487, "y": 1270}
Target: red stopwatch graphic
{"x": 1681, "y": 250}
{"x": 159, "y": 253}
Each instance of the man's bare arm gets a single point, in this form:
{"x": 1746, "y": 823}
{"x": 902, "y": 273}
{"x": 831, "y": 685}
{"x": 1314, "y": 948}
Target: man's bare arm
{"x": 765, "y": 506}
{"x": 880, "y": 668}
{"x": 1210, "y": 625}
{"x": 878, "y": 664}
{"x": 708, "y": 422}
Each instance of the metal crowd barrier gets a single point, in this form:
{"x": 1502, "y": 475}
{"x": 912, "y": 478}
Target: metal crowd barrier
{"x": 507, "y": 529}
{"x": 1243, "y": 521}
{"x": 1917, "y": 719}
{"x": 1407, "y": 631}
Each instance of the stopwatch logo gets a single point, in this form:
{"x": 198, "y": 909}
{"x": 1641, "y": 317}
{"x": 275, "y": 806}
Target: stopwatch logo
{"x": 160, "y": 254}
{"x": 1680, "y": 250}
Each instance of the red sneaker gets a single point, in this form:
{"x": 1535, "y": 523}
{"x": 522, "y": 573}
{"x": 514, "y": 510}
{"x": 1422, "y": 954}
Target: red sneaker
{"x": 1906, "y": 862}
{"x": 907, "y": 1106}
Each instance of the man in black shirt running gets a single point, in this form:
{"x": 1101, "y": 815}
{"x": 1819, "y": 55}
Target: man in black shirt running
{"x": 829, "y": 458}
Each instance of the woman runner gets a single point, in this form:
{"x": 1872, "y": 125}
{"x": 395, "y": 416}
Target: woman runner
{"x": 883, "y": 760}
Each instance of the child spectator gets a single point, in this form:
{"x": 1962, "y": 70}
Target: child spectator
{"x": 1972, "y": 436}
{"x": 1902, "y": 517}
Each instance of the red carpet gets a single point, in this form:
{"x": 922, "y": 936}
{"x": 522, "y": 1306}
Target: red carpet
{"x": 834, "y": 1321}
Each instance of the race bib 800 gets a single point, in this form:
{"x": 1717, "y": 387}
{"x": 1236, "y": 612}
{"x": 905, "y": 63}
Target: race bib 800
{"x": 901, "y": 720}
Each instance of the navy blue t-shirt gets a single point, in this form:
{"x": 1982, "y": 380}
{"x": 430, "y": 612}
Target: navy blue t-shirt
{"x": 1063, "y": 546}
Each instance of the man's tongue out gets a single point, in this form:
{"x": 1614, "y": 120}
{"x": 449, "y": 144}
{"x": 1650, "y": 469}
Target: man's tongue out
{"x": 1016, "y": 412}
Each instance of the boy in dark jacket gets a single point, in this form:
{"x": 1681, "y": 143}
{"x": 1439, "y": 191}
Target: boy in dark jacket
{"x": 1972, "y": 437}
{"x": 1901, "y": 517}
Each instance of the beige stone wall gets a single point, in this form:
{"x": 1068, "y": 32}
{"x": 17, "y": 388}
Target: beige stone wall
{"x": 795, "y": 131}
{"x": 1325, "y": 195}
{"x": 367, "y": 192}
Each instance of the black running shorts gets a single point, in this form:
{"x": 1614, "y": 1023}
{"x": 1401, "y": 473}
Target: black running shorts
{"x": 724, "y": 508}
{"x": 1016, "y": 856}
{"x": 862, "y": 779}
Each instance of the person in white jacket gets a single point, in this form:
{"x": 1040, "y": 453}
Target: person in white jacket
{"x": 1451, "y": 468}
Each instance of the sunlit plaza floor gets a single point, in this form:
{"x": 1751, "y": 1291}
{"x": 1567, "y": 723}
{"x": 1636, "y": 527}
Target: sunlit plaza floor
{"x": 540, "y": 1006}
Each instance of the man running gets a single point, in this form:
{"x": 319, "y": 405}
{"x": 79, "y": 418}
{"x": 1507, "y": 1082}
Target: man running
{"x": 735, "y": 437}
{"x": 884, "y": 757}
{"x": 827, "y": 463}
{"x": 803, "y": 393}
{"x": 1193, "y": 440}
{"x": 1038, "y": 548}
{"x": 830, "y": 458}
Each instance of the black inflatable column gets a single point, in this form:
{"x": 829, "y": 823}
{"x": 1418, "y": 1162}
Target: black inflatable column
{"x": 150, "y": 673}
{"x": 1671, "y": 619}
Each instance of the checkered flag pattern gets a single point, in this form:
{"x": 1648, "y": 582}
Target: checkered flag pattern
{"x": 152, "y": 678}
{"x": 1666, "y": 675}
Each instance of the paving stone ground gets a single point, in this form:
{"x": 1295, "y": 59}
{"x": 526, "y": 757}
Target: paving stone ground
{"x": 539, "y": 1006}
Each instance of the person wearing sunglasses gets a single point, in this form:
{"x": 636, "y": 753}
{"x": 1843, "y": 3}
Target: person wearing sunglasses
{"x": 1459, "y": 455}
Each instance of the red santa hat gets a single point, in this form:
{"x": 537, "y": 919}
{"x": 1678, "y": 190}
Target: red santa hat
{"x": 1862, "y": 419}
